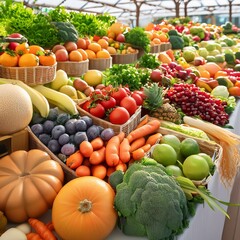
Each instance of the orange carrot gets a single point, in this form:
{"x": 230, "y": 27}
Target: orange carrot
{"x": 138, "y": 154}
{"x": 121, "y": 166}
{"x": 50, "y": 226}
{"x": 74, "y": 160}
{"x": 144, "y": 121}
{"x": 83, "y": 171}
{"x": 41, "y": 229}
{"x": 149, "y": 128}
{"x": 124, "y": 151}
{"x": 146, "y": 147}
{"x": 113, "y": 149}
{"x": 139, "y": 142}
{"x": 154, "y": 138}
{"x": 33, "y": 236}
{"x": 86, "y": 148}
{"x": 99, "y": 171}
{"x": 98, "y": 156}
{"x": 97, "y": 143}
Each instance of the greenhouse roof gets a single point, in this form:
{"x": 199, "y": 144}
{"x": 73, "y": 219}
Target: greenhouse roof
{"x": 126, "y": 9}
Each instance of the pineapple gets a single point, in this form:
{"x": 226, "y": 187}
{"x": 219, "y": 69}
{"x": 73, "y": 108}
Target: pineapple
{"x": 158, "y": 106}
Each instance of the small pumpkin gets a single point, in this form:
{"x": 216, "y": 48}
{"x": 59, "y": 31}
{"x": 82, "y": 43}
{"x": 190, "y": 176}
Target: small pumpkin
{"x": 29, "y": 182}
{"x": 83, "y": 209}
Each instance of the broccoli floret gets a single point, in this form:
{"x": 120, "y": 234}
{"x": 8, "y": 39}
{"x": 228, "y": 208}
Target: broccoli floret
{"x": 176, "y": 41}
{"x": 151, "y": 203}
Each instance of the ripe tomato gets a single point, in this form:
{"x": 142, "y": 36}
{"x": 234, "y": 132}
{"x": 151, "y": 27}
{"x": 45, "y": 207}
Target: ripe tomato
{"x": 119, "y": 94}
{"x": 141, "y": 93}
{"x": 137, "y": 98}
{"x": 119, "y": 115}
{"x": 109, "y": 103}
{"x": 85, "y": 106}
{"x": 130, "y": 104}
{"x": 97, "y": 110}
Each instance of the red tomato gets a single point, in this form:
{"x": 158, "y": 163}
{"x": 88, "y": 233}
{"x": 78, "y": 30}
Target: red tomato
{"x": 119, "y": 115}
{"x": 85, "y": 106}
{"x": 119, "y": 94}
{"x": 109, "y": 103}
{"x": 130, "y": 104}
{"x": 97, "y": 110}
{"x": 141, "y": 93}
{"x": 137, "y": 98}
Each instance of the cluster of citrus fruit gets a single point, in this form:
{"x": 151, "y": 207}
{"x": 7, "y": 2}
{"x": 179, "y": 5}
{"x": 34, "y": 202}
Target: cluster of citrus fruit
{"x": 183, "y": 158}
{"x": 25, "y": 55}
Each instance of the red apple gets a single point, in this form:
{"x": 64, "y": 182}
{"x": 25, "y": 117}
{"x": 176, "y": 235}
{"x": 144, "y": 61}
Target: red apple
{"x": 106, "y": 38}
{"x": 88, "y": 41}
{"x": 156, "y": 75}
{"x": 13, "y": 45}
{"x": 57, "y": 47}
{"x": 120, "y": 37}
{"x": 96, "y": 38}
{"x": 70, "y": 46}
{"x": 199, "y": 61}
{"x": 15, "y": 35}
{"x": 61, "y": 55}
{"x": 80, "y": 84}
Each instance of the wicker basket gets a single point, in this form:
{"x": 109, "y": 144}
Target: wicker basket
{"x": 165, "y": 47}
{"x": 209, "y": 147}
{"x": 126, "y": 127}
{"x": 155, "y": 48}
{"x": 124, "y": 58}
{"x": 100, "y": 64}
{"x": 74, "y": 69}
{"x": 30, "y": 75}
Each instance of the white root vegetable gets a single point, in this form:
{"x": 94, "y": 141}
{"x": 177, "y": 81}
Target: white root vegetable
{"x": 24, "y": 227}
{"x": 13, "y": 233}
{"x": 230, "y": 142}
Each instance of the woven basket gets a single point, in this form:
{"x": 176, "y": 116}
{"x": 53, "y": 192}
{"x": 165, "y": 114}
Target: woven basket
{"x": 124, "y": 58}
{"x": 30, "y": 75}
{"x": 165, "y": 47}
{"x": 74, "y": 69}
{"x": 155, "y": 48}
{"x": 126, "y": 127}
{"x": 100, "y": 64}
{"x": 209, "y": 147}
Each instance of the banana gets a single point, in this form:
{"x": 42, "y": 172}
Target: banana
{"x": 40, "y": 103}
{"x": 58, "y": 99}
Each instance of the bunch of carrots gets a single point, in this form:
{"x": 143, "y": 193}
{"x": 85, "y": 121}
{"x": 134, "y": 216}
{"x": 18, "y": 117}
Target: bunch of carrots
{"x": 40, "y": 230}
{"x": 98, "y": 158}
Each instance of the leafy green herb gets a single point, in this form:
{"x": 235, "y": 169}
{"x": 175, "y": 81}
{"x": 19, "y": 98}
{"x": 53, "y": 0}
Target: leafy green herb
{"x": 138, "y": 38}
{"x": 126, "y": 75}
{"x": 148, "y": 60}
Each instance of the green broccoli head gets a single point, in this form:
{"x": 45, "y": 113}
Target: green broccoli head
{"x": 151, "y": 203}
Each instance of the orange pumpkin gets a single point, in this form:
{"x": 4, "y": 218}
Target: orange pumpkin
{"x": 83, "y": 209}
{"x": 29, "y": 183}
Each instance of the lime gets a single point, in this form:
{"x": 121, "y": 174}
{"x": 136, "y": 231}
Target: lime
{"x": 174, "y": 170}
{"x": 207, "y": 158}
{"x": 195, "y": 167}
{"x": 171, "y": 140}
{"x": 164, "y": 154}
{"x": 189, "y": 146}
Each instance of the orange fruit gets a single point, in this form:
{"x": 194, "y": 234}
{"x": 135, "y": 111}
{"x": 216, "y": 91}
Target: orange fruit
{"x": 112, "y": 50}
{"x": 103, "y": 54}
{"x": 9, "y": 60}
{"x": 91, "y": 54}
{"x": 81, "y": 43}
{"x": 150, "y": 26}
{"x": 35, "y": 49}
{"x": 95, "y": 47}
{"x": 204, "y": 73}
{"x": 163, "y": 37}
{"x": 75, "y": 56}
{"x": 149, "y": 34}
{"x": 22, "y": 48}
{"x": 116, "y": 28}
{"x": 165, "y": 29}
{"x": 48, "y": 59}
{"x": 111, "y": 35}
{"x": 84, "y": 54}
{"x": 234, "y": 91}
{"x": 103, "y": 43}
{"x": 156, "y": 41}
{"x": 28, "y": 60}
{"x": 220, "y": 74}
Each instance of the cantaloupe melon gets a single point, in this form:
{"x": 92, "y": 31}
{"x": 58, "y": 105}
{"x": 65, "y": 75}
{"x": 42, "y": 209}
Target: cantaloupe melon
{"x": 15, "y": 109}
